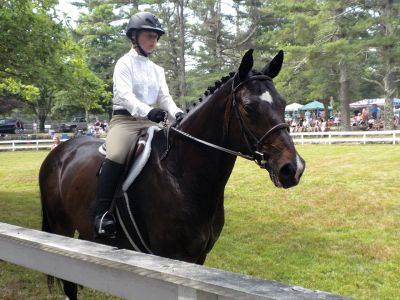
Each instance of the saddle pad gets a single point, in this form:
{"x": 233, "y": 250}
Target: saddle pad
{"x": 141, "y": 160}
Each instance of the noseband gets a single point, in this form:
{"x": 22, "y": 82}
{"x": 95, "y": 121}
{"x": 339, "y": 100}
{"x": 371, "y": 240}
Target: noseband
{"x": 256, "y": 154}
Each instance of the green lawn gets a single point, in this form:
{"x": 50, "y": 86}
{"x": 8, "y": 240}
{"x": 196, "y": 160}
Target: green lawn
{"x": 338, "y": 231}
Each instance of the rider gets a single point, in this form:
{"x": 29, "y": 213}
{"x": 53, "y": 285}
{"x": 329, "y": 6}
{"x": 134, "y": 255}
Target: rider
{"x": 138, "y": 85}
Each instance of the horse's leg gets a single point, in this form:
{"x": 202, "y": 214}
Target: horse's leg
{"x": 70, "y": 290}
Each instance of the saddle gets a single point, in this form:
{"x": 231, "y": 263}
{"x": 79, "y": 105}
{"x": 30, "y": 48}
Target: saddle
{"x": 138, "y": 156}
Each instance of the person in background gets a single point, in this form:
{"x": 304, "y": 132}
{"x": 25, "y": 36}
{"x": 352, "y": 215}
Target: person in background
{"x": 56, "y": 142}
{"x": 141, "y": 99}
{"x": 374, "y": 111}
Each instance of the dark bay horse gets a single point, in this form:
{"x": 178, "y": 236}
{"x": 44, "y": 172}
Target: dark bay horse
{"x": 179, "y": 201}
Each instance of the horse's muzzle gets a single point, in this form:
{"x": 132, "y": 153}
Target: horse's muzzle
{"x": 289, "y": 173}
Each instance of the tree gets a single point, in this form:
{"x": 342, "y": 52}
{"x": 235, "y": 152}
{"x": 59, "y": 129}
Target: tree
{"x": 384, "y": 48}
{"x": 324, "y": 41}
{"x": 83, "y": 88}
{"x": 34, "y": 65}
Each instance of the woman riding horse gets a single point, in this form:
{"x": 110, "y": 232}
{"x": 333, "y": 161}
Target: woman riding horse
{"x": 138, "y": 84}
{"x": 177, "y": 200}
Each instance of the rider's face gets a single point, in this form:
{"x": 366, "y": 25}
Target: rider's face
{"x": 148, "y": 40}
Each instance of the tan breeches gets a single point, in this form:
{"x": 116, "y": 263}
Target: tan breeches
{"x": 124, "y": 131}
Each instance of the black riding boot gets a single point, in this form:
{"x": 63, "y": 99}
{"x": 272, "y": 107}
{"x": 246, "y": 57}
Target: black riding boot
{"x": 104, "y": 222}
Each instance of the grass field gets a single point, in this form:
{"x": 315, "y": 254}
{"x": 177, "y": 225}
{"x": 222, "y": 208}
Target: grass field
{"x": 338, "y": 231}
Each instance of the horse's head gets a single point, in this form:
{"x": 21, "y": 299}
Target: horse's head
{"x": 262, "y": 131}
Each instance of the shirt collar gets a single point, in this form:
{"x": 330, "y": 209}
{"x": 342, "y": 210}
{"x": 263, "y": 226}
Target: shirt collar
{"x": 134, "y": 53}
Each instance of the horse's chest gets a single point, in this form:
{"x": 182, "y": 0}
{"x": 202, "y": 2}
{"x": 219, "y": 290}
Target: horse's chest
{"x": 188, "y": 236}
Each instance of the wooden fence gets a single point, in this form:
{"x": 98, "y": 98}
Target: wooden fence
{"x": 330, "y": 137}
{"x": 133, "y": 275}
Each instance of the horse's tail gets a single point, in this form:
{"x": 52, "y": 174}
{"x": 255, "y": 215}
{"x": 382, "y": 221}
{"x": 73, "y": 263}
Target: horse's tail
{"x": 45, "y": 223}
{"x": 45, "y": 220}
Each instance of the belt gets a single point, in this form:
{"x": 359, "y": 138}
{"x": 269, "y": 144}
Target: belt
{"x": 121, "y": 112}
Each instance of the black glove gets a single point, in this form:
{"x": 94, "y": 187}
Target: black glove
{"x": 157, "y": 115}
{"x": 179, "y": 116}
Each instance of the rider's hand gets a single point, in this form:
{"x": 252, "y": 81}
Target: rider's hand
{"x": 157, "y": 115}
{"x": 179, "y": 116}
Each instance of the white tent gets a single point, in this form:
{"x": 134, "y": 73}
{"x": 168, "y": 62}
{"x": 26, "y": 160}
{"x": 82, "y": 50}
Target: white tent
{"x": 369, "y": 102}
{"x": 293, "y": 107}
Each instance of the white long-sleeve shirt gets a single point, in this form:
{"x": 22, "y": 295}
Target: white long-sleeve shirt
{"x": 139, "y": 84}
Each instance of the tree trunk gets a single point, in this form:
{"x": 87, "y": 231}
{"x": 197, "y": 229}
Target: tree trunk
{"x": 344, "y": 96}
{"x": 182, "y": 62}
{"x": 42, "y": 120}
{"x": 389, "y": 80}
{"x": 326, "y": 103}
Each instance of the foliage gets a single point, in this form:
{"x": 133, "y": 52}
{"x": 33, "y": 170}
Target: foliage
{"x": 338, "y": 51}
{"x": 38, "y": 60}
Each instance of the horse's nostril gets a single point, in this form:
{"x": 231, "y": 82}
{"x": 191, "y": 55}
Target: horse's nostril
{"x": 287, "y": 175}
{"x": 287, "y": 170}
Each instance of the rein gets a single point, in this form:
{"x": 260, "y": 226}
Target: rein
{"x": 257, "y": 156}
{"x": 226, "y": 150}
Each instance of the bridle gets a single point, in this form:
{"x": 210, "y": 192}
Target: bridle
{"x": 256, "y": 155}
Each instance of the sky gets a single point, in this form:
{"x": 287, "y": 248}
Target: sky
{"x": 72, "y": 11}
{"x": 66, "y": 7}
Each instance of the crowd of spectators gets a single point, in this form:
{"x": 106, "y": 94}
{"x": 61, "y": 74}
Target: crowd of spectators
{"x": 315, "y": 121}
{"x": 98, "y": 128}
{"x": 311, "y": 121}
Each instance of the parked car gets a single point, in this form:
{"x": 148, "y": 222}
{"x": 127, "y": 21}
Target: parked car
{"x": 77, "y": 123}
{"x": 11, "y": 126}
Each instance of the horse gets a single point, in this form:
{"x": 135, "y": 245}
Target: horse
{"x": 178, "y": 198}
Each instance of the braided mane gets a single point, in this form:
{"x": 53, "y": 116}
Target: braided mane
{"x": 211, "y": 89}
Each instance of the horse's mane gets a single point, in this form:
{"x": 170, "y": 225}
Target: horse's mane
{"x": 211, "y": 89}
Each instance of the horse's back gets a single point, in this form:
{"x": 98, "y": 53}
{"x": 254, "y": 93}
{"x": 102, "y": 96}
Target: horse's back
{"x": 67, "y": 180}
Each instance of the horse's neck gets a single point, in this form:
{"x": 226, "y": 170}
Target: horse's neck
{"x": 207, "y": 122}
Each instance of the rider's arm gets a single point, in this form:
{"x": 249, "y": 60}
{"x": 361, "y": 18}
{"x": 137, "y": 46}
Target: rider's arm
{"x": 164, "y": 97}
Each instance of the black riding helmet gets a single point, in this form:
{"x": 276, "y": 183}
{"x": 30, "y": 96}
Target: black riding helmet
{"x": 144, "y": 21}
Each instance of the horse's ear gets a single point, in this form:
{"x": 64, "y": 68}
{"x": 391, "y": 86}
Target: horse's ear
{"x": 274, "y": 67}
{"x": 246, "y": 65}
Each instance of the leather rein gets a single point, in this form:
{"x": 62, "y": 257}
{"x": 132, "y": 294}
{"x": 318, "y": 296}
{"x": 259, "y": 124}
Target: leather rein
{"x": 256, "y": 155}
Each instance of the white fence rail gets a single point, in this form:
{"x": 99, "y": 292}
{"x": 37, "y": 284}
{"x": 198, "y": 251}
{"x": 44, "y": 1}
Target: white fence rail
{"x": 133, "y": 275}
{"x": 14, "y": 145}
{"x": 330, "y": 137}
{"x": 360, "y": 137}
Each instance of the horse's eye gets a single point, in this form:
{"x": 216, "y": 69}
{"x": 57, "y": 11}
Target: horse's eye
{"x": 251, "y": 108}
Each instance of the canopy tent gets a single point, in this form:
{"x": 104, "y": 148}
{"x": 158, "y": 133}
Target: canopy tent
{"x": 293, "y": 107}
{"x": 370, "y": 102}
{"x": 315, "y": 105}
